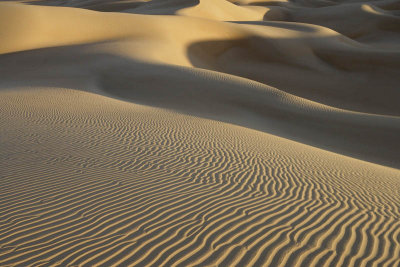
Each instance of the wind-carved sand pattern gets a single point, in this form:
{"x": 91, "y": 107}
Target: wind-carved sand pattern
{"x": 199, "y": 133}
{"x": 123, "y": 184}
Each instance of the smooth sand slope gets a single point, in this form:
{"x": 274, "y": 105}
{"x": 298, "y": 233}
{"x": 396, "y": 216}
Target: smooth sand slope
{"x": 199, "y": 133}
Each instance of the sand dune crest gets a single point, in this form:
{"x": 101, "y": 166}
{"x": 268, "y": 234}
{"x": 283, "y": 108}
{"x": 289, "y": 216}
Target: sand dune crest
{"x": 199, "y": 133}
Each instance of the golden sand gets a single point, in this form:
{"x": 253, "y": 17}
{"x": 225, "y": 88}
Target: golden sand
{"x": 200, "y": 133}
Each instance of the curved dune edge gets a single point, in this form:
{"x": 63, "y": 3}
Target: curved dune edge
{"x": 114, "y": 183}
{"x": 197, "y": 133}
{"x": 93, "y": 52}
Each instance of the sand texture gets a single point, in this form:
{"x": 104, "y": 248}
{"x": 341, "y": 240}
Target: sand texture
{"x": 200, "y": 133}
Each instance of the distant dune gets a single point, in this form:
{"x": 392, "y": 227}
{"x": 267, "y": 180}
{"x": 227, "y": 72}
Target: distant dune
{"x": 200, "y": 133}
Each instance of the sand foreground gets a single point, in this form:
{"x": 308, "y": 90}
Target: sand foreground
{"x": 200, "y": 133}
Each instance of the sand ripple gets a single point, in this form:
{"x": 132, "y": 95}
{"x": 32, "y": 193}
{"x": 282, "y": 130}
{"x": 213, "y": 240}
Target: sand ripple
{"x": 199, "y": 133}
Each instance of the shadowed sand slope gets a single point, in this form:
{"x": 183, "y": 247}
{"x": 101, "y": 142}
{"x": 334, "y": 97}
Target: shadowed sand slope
{"x": 199, "y": 133}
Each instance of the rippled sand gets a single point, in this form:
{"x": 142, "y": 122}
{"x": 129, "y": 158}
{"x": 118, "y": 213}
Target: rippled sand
{"x": 200, "y": 133}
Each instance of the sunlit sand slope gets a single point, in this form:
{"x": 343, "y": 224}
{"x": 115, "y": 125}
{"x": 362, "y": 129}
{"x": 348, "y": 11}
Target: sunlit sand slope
{"x": 199, "y": 133}
{"x": 97, "y": 181}
{"x": 139, "y": 58}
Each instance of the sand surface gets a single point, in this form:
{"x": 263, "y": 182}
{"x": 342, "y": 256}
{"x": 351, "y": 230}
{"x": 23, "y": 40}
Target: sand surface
{"x": 200, "y": 133}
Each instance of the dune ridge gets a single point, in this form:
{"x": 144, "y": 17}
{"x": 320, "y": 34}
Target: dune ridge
{"x": 199, "y": 133}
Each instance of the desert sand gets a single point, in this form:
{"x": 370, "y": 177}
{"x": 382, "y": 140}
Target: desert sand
{"x": 200, "y": 133}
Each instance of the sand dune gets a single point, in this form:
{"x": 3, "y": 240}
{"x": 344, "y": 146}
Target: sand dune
{"x": 199, "y": 133}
